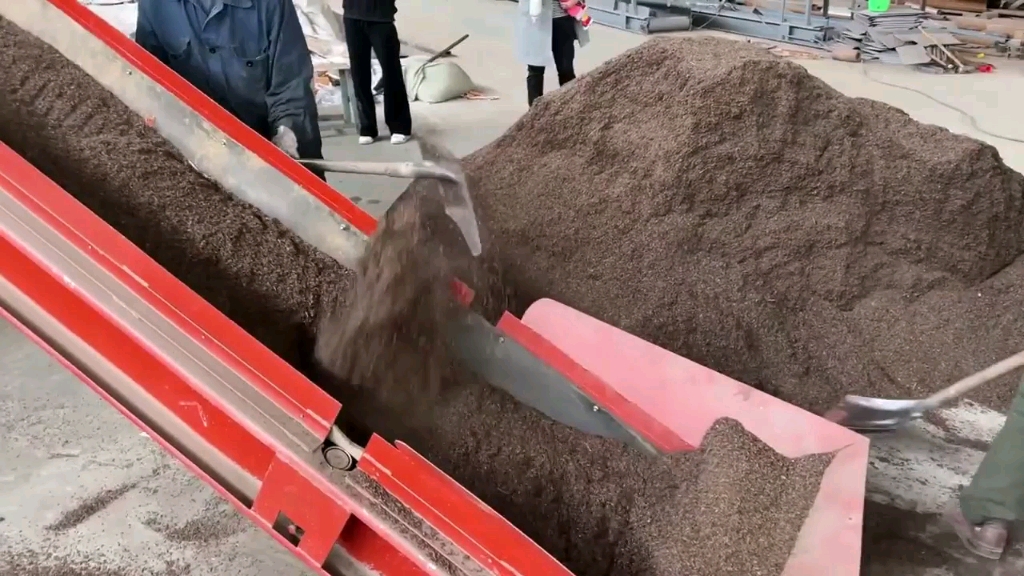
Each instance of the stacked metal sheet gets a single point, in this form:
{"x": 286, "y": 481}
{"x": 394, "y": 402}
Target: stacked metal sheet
{"x": 875, "y": 34}
{"x": 896, "y": 19}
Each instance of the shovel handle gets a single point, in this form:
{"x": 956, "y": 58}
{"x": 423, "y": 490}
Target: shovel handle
{"x": 392, "y": 169}
{"x": 446, "y": 50}
{"x": 959, "y": 65}
{"x": 971, "y": 382}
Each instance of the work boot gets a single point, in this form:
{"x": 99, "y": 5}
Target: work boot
{"x": 987, "y": 540}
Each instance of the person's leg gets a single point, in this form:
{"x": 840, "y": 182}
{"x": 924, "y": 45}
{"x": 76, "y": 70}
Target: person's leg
{"x": 991, "y": 502}
{"x": 534, "y": 83}
{"x": 563, "y": 47}
{"x": 384, "y": 36}
{"x": 357, "y": 39}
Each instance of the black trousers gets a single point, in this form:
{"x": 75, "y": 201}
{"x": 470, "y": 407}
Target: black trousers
{"x": 563, "y": 48}
{"x": 382, "y": 37}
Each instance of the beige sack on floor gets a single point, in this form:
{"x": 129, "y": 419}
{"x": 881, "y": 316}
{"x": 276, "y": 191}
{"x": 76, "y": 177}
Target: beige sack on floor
{"x": 438, "y": 81}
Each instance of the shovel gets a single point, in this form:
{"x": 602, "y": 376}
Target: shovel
{"x": 864, "y": 414}
{"x": 392, "y": 169}
{"x": 438, "y": 165}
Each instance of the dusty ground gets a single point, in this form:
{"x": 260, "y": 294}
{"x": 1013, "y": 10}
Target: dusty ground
{"x": 81, "y": 487}
{"x": 64, "y": 447}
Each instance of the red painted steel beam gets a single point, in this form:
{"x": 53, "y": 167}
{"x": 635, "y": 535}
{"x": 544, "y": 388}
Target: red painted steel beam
{"x": 204, "y": 388}
{"x": 112, "y": 315}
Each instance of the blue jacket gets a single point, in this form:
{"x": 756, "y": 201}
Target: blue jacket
{"x": 249, "y": 56}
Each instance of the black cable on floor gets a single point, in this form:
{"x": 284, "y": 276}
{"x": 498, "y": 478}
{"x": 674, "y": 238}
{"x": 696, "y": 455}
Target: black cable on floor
{"x": 972, "y": 119}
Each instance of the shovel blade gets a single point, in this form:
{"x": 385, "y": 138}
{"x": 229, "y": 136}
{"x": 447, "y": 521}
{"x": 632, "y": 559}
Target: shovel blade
{"x": 455, "y": 193}
{"x": 864, "y": 414}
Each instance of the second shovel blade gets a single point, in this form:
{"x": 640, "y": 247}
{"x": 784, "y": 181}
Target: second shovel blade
{"x": 874, "y": 414}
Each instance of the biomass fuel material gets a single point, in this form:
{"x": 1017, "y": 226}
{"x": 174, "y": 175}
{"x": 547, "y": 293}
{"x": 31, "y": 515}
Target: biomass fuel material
{"x": 596, "y": 505}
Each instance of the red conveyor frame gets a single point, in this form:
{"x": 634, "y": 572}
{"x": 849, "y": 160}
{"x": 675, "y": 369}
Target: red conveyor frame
{"x": 125, "y": 326}
{"x": 231, "y": 411}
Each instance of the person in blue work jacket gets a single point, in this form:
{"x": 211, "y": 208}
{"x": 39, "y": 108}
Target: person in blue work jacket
{"x": 249, "y": 56}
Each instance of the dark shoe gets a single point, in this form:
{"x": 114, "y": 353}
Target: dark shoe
{"x": 987, "y": 540}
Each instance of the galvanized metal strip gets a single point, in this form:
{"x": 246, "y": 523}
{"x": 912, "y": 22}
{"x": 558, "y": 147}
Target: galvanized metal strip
{"x": 226, "y": 161}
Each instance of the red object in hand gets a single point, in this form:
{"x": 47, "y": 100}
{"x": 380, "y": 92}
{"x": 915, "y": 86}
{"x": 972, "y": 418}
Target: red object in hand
{"x": 578, "y": 10}
{"x": 986, "y": 68}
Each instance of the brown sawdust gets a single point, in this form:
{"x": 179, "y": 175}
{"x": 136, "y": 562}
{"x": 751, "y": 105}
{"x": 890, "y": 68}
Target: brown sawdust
{"x": 728, "y": 206}
{"x": 624, "y": 242}
{"x": 382, "y": 336}
{"x": 442, "y": 552}
{"x": 217, "y": 521}
{"x": 90, "y": 507}
{"x": 597, "y": 505}
{"x": 49, "y": 563}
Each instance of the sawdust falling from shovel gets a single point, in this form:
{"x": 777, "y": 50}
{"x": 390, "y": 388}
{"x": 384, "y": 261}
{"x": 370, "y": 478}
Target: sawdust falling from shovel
{"x": 597, "y": 505}
{"x": 388, "y": 334}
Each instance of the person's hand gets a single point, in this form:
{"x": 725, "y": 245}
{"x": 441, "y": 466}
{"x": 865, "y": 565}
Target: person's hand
{"x": 286, "y": 140}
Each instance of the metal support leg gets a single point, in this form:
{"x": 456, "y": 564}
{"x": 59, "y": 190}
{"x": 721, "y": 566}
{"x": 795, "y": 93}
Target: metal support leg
{"x": 343, "y": 116}
{"x": 348, "y": 97}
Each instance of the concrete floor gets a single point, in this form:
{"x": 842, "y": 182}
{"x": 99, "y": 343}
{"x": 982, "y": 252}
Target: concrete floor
{"x": 78, "y": 483}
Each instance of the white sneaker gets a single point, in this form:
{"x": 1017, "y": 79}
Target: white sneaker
{"x": 400, "y": 138}
{"x": 364, "y": 140}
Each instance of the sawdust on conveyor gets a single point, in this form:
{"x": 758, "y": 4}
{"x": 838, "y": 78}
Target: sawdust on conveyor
{"x": 726, "y": 205}
{"x": 602, "y": 508}
{"x": 595, "y": 504}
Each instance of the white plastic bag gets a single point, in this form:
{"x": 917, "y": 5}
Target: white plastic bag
{"x": 321, "y": 29}
{"x": 376, "y": 78}
{"x": 327, "y": 96}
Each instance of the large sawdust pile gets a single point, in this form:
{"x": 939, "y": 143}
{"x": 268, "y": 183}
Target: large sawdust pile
{"x": 597, "y": 505}
{"x": 728, "y": 206}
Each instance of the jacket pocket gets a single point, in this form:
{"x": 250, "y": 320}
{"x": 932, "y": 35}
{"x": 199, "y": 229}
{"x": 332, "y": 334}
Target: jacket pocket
{"x": 249, "y": 75}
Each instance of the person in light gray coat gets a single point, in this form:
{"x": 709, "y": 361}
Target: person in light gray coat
{"x": 546, "y": 34}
